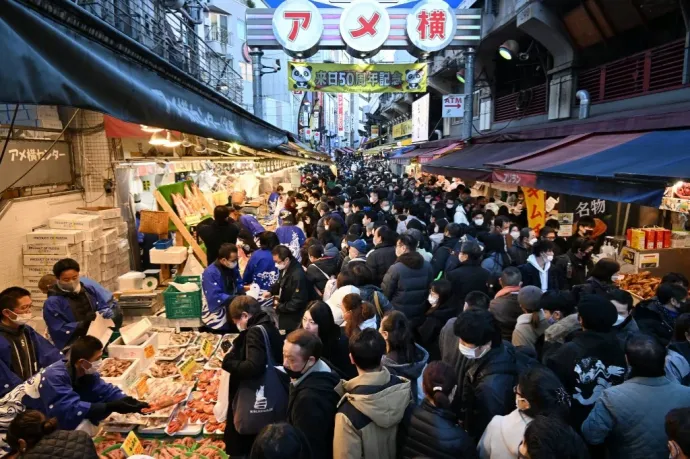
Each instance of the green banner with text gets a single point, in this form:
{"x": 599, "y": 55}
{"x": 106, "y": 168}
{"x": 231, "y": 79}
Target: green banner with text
{"x": 355, "y": 78}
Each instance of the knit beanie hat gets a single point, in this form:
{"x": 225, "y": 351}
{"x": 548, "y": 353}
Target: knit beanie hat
{"x": 529, "y": 297}
{"x": 597, "y": 313}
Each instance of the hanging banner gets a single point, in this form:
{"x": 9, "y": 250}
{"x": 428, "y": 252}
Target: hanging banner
{"x": 420, "y": 119}
{"x": 536, "y": 208}
{"x": 357, "y": 78}
{"x": 341, "y": 116}
{"x": 402, "y": 129}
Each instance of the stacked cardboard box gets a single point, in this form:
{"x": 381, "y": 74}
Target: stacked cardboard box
{"x": 94, "y": 237}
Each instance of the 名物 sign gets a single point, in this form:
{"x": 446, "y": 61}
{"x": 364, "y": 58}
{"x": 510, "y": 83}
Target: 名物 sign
{"x": 298, "y": 26}
{"x": 420, "y": 119}
{"x": 364, "y": 26}
{"x": 357, "y": 78}
{"x": 453, "y": 106}
{"x": 431, "y": 26}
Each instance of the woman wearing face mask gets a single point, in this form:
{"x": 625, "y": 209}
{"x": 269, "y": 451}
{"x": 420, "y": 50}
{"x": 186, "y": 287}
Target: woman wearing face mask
{"x": 23, "y": 352}
{"x": 539, "y": 392}
{"x": 247, "y": 361}
{"x": 403, "y": 356}
{"x": 221, "y": 282}
{"x": 539, "y": 270}
{"x": 318, "y": 319}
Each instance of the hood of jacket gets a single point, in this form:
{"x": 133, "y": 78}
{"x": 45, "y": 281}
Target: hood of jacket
{"x": 411, "y": 371}
{"x": 512, "y": 429}
{"x": 320, "y": 378}
{"x": 385, "y": 401}
{"x": 558, "y": 332}
{"x": 532, "y": 260}
{"x": 383, "y": 245}
{"x": 367, "y": 292}
{"x": 328, "y": 264}
{"x": 499, "y": 360}
{"x": 449, "y": 242}
{"x": 412, "y": 260}
{"x": 505, "y": 291}
{"x": 369, "y": 323}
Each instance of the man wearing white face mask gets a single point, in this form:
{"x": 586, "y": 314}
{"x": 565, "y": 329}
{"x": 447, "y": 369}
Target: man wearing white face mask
{"x": 539, "y": 270}
{"x": 221, "y": 282}
{"x": 489, "y": 374}
{"x": 23, "y": 352}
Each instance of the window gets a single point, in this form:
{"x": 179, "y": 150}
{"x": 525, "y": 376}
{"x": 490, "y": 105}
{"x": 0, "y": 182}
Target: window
{"x": 241, "y": 29}
{"x": 246, "y": 71}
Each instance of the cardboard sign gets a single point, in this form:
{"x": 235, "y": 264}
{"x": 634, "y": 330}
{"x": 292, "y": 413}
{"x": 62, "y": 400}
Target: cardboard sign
{"x": 188, "y": 368}
{"x": 206, "y": 348}
{"x": 142, "y": 386}
{"x": 132, "y": 446}
{"x": 149, "y": 351}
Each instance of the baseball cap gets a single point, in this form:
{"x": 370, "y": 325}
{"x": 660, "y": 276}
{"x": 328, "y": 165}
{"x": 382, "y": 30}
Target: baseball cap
{"x": 359, "y": 244}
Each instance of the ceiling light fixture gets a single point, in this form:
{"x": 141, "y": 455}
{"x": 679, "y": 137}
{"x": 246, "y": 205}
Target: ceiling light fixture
{"x": 157, "y": 139}
{"x": 150, "y": 129}
{"x": 170, "y": 142}
{"x": 509, "y": 49}
{"x": 460, "y": 75}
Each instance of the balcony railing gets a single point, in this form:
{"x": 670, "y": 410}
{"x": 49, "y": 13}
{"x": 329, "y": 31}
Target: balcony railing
{"x": 172, "y": 36}
{"x": 527, "y": 102}
{"x": 655, "y": 70}
{"x": 216, "y": 33}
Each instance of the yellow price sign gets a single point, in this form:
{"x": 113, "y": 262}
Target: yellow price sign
{"x": 206, "y": 348}
{"x": 188, "y": 368}
{"x": 149, "y": 351}
{"x": 132, "y": 446}
{"x": 142, "y": 386}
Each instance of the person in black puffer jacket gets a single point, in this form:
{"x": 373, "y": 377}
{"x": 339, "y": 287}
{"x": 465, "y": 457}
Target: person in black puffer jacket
{"x": 32, "y": 436}
{"x": 451, "y": 236}
{"x": 321, "y": 267}
{"x": 247, "y": 361}
{"x": 431, "y": 429}
{"x": 469, "y": 276}
{"x": 383, "y": 256}
{"x": 369, "y": 292}
{"x": 442, "y": 308}
{"x": 406, "y": 283}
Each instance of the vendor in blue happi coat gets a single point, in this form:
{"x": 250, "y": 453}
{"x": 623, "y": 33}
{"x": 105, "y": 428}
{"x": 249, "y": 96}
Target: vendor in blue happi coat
{"x": 72, "y": 306}
{"x": 23, "y": 352}
{"x": 72, "y": 390}
{"x": 221, "y": 282}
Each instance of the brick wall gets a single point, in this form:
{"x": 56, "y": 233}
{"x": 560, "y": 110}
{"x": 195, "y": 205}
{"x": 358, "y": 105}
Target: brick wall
{"x": 22, "y": 216}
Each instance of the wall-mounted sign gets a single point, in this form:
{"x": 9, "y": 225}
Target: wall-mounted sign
{"x": 402, "y": 129}
{"x": 298, "y": 26}
{"x": 431, "y": 26}
{"x": 363, "y": 27}
{"x": 453, "y": 106}
{"x": 341, "y": 116}
{"x": 357, "y": 78}
{"x": 420, "y": 119}
{"x": 47, "y": 167}
{"x": 374, "y": 130}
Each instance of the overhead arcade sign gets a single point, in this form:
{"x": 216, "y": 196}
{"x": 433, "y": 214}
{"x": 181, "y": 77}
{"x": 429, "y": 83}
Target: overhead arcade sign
{"x": 363, "y": 27}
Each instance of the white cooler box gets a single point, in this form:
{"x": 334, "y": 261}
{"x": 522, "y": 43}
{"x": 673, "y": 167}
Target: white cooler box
{"x": 144, "y": 349}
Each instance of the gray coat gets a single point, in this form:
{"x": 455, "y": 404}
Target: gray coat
{"x": 406, "y": 284}
{"x": 630, "y": 417}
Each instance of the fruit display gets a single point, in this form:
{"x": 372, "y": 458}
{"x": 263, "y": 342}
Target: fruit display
{"x": 642, "y": 284}
{"x": 114, "y": 368}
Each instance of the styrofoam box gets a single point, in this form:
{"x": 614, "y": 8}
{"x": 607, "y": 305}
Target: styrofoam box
{"x": 76, "y": 221}
{"x": 32, "y": 280}
{"x": 41, "y": 248}
{"x": 110, "y": 247}
{"x": 109, "y": 273}
{"x": 128, "y": 377}
{"x": 35, "y": 292}
{"x": 170, "y": 256}
{"x": 123, "y": 268}
{"x": 90, "y": 246}
{"x": 121, "y": 229}
{"x": 123, "y": 243}
{"x": 93, "y": 234}
{"x": 51, "y": 235}
{"x": 48, "y": 260}
{"x": 122, "y": 258}
{"x": 103, "y": 212}
{"x": 36, "y": 271}
{"x": 110, "y": 236}
{"x": 136, "y": 350}
{"x": 111, "y": 223}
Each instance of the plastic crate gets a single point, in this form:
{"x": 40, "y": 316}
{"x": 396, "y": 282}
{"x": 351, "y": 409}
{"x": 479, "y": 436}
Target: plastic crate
{"x": 180, "y": 305}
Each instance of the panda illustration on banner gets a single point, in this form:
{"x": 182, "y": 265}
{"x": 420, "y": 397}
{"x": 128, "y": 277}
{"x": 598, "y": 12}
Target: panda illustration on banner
{"x": 301, "y": 75}
{"x": 414, "y": 77}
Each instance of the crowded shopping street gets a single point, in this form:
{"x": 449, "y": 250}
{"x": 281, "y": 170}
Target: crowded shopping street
{"x": 344, "y": 229}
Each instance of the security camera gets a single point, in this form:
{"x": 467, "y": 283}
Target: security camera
{"x": 277, "y": 65}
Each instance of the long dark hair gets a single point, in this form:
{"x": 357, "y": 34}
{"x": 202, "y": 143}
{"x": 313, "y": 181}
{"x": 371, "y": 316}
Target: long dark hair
{"x": 400, "y": 339}
{"x": 438, "y": 382}
{"x": 544, "y": 392}
{"x": 329, "y": 332}
{"x": 30, "y": 426}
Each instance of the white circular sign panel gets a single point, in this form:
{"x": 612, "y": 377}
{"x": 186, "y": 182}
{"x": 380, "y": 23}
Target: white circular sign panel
{"x": 297, "y": 25}
{"x": 431, "y": 25}
{"x": 365, "y": 25}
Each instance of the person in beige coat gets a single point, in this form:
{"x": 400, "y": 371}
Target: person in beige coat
{"x": 532, "y": 324}
{"x": 372, "y": 404}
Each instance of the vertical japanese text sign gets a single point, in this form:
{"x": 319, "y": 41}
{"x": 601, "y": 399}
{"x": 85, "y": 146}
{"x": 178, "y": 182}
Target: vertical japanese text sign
{"x": 536, "y": 208}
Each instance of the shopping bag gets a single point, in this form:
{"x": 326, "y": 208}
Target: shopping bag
{"x": 261, "y": 401}
{"x": 220, "y": 409}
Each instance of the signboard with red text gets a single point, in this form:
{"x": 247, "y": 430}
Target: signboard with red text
{"x": 453, "y": 106}
{"x": 341, "y": 116}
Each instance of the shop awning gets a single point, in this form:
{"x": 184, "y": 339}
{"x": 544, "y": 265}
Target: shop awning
{"x": 629, "y": 167}
{"x": 471, "y": 162}
{"x": 55, "y": 64}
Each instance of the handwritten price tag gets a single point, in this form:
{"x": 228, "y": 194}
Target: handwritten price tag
{"x": 187, "y": 368}
{"x": 142, "y": 386}
{"x": 149, "y": 351}
{"x": 132, "y": 446}
{"x": 206, "y": 348}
